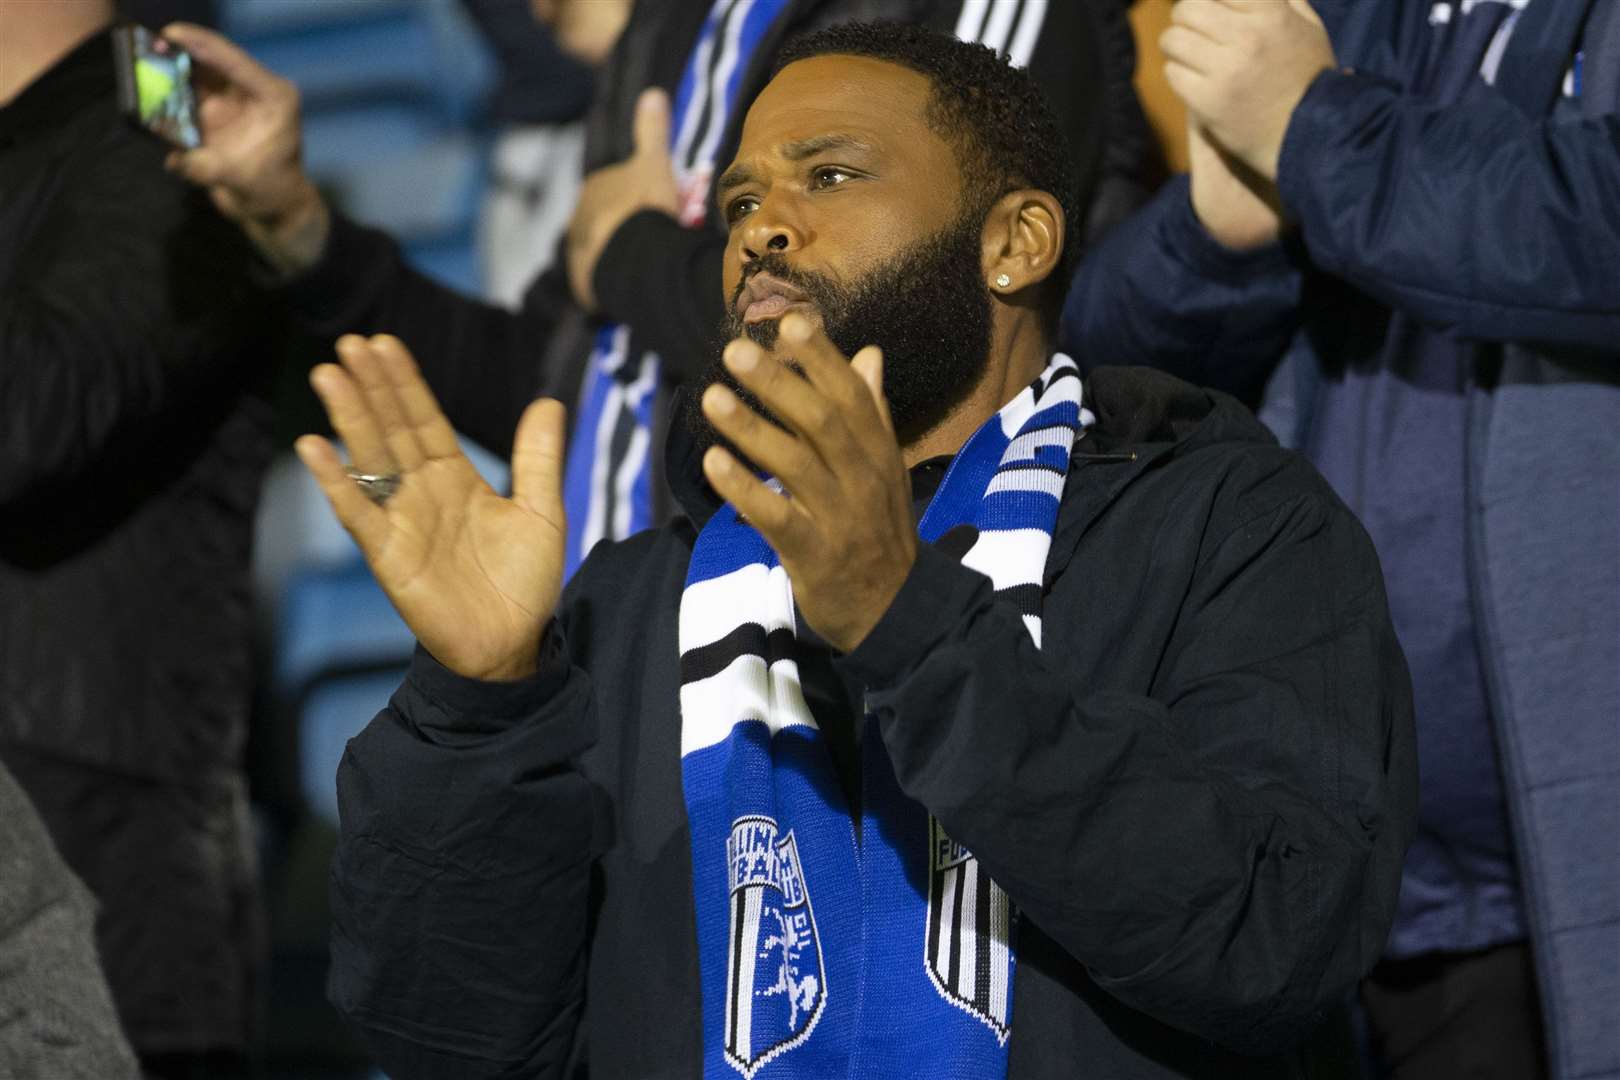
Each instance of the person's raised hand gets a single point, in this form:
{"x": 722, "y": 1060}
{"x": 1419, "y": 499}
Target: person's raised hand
{"x": 610, "y": 195}
{"x": 1237, "y": 206}
{"x": 476, "y": 576}
{"x": 251, "y": 160}
{"x": 1241, "y": 67}
{"x": 842, "y": 524}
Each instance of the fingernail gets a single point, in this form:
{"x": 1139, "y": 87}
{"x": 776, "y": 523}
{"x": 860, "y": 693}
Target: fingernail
{"x": 741, "y": 357}
{"x": 796, "y": 328}
{"x": 717, "y": 460}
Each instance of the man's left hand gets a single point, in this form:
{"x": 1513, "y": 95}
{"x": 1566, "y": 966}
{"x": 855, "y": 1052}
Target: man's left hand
{"x": 843, "y": 526}
{"x": 1241, "y": 67}
{"x": 643, "y": 181}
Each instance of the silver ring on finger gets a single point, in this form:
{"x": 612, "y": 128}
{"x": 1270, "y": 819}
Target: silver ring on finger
{"x": 376, "y": 486}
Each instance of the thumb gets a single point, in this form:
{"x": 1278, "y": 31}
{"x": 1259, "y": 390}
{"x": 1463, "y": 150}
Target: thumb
{"x": 652, "y": 123}
{"x": 537, "y": 460}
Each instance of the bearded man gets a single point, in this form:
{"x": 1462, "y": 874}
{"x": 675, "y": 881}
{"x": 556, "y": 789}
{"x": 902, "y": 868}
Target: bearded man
{"x": 971, "y": 723}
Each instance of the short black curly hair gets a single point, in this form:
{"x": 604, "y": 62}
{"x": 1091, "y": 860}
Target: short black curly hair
{"x": 1005, "y": 132}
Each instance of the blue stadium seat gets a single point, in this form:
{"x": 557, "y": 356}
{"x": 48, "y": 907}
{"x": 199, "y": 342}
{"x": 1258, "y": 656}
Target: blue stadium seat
{"x": 390, "y": 92}
{"x": 334, "y": 711}
{"x": 346, "y": 52}
{"x": 244, "y": 19}
{"x": 335, "y": 619}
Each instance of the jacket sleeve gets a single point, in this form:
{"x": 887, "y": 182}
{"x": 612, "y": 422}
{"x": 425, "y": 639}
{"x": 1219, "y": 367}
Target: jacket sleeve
{"x": 461, "y": 882}
{"x": 1222, "y": 853}
{"x": 1473, "y": 217}
{"x": 129, "y": 298}
{"x": 664, "y": 280}
{"x": 484, "y": 362}
{"x": 1159, "y": 290}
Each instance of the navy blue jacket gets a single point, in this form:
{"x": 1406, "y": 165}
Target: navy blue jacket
{"x": 1492, "y": 222}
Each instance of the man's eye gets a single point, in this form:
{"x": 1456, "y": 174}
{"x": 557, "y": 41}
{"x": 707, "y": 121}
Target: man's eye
{"x": 740, "y": 207}
{"x": 828, "y": 176}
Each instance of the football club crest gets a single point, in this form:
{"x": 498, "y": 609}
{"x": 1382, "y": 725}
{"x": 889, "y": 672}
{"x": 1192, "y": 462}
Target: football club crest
{"x": 776, "y": 984}
{"x": 968, "y": 948}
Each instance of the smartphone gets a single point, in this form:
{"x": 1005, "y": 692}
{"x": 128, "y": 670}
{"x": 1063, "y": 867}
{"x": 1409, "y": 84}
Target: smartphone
{"x": 154, "y": 86}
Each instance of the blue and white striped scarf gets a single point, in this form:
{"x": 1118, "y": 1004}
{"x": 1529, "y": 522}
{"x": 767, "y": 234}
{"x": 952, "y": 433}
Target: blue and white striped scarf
{"x": 607, "y": 487}
{"x": 823, "y": 951}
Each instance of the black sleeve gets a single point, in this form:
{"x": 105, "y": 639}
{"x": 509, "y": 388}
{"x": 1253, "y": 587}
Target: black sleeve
{"x": 461, "y": 883}
{"x": 665, "y": 281}
{"x": 1222, "y": 853}
{"x": 128, "y": 300}
{"x": 484, "y": 362}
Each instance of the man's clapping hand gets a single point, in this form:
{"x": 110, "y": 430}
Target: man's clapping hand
{"x": 843, "y": 524}
{"x": 476, "y": 576}
{"x": 1241, "y": 67}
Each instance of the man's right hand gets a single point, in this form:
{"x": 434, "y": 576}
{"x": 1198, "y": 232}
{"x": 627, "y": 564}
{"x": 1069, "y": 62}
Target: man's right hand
{"x": 475, "y": 576}
{"x": 251, "y": 160}
{"x": 1236, "y": 206}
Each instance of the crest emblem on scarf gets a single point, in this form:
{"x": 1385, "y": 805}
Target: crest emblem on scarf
{"x": 968, "y": 948}
{"x": 776, "y": 984}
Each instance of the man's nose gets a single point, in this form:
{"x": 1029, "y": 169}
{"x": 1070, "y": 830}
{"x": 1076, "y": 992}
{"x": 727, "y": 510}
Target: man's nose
{"x": 767, "y": 232}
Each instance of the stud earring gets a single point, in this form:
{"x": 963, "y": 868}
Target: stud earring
{"x": 1002, "y": 281}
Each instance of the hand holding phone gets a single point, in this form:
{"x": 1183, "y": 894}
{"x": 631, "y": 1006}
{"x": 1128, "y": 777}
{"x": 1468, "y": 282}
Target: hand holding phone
{"x": 251, "y": 160}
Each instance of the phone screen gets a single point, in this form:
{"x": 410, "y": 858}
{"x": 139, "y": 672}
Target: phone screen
{"x": 155, "y": 86}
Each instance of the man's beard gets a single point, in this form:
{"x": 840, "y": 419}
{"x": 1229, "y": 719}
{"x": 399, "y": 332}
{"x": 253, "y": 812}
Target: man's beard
{"x": 927, "y": 308}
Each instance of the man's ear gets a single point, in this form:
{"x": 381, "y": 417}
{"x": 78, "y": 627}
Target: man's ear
{"x": 1023, "y": 240}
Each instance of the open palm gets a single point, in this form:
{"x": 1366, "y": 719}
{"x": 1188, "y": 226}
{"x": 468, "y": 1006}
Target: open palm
{"x": 476, "y": 576}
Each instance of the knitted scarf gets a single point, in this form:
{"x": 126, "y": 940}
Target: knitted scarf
{"x": 811, "y": 923}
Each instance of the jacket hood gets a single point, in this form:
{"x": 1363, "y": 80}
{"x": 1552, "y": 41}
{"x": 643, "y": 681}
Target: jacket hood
{"x": 1141, "y": 406}
{"x": 1136, "y": 408}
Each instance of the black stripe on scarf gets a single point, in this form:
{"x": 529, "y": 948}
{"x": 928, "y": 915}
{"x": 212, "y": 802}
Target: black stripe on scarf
{"x": 1042, "y": 386}
{"x": 1026, "y": 597}
{"x": 749, "y": 639}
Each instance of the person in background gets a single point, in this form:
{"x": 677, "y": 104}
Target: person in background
{"x": 133, "y": 341}
{"x": 1019, "y": 726}
{"x": 546, "y": 60}
{"x": 627, "y": 316}
{"x": 1402, "y": 230}
{"x": 59, "y": 1022}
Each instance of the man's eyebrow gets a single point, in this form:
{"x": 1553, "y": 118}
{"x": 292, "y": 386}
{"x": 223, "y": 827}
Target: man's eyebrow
{"x": 798, "y": 151}
{"x": 738, "y": 175}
